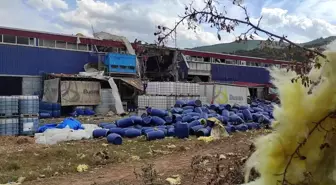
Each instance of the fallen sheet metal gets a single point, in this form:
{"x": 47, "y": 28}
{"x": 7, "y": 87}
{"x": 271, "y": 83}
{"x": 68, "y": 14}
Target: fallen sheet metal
{"x": 115, "y": 91}
{"x": 135, "y": 82}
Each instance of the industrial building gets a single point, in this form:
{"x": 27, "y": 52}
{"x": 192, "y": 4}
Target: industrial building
{"x": 25, "y": 55}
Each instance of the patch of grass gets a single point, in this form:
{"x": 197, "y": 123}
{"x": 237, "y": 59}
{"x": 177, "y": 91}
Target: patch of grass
{"x": 37, "y": 161}
{"x": 42, "y": 162}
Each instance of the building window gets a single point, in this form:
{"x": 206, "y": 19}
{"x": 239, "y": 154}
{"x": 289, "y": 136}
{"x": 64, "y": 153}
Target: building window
{"x": 23, "y": 40}
{"x": 71, "y": 46}
{"x": 40, "y": 42}
{"x": 1, "y": 38}
{"x": 60, "y": 44}
{"x": 9, "y": 39}
{"x": 82, "y": 47}
{"x": 49, "y": 43}
{"x": 32, "y": 41}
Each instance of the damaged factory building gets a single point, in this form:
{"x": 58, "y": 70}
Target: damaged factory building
{"x": 105, "y": 74}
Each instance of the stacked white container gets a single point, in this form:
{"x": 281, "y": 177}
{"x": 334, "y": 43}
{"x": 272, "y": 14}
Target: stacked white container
{"x": 107, "y": 102}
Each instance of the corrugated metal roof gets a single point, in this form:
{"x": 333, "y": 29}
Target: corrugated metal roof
{"x": 59, "y": 37}
{"x": 135, "y": 82}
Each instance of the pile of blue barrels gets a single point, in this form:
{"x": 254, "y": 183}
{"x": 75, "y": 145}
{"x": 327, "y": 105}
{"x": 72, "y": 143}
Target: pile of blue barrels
{"x": 188, "y": 118}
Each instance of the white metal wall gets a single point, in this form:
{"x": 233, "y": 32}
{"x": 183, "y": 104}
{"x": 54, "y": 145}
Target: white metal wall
{"x": 219, "y": 93}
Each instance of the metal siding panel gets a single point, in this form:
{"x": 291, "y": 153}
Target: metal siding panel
{"x": 25, "y": 60}
{"x": 229, "y": 73}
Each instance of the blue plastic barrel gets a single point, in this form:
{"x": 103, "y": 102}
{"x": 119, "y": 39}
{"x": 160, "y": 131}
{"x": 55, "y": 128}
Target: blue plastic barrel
{"x": 194, "y": 129}
{"x": 212, "y": 115}
{"x": 230, "y": 129}
{"x": 235, "y": 110}
{"x": 251, "y": 110}
{"x": 222, "y": 119}
{"x": 164, "y": 130}
{"x": 177, "y": 118}
{"x": 204, "y": 115}
{"x": 241, "y": 127}
{"x": 225, "y": 113}
{"x": 188, "y": 107}
{"x": 243, "y": 107}
{"x": 187, "y": 111}
{"x": 80, "y": 111}
{"x": 132, "y": 133}
{"x": 247, "y": 115}
{"x": 196, "y": 117}
{"x": 236, "y": 119}
{"x": 195, "y": 103}
{"x": 168, "y": 119}
{"x": 103, "y": 124}
{"x": 88, "y": 112}
{"x": 176, "y": 110}
{"x": 179, "y": 103}
{"x": 265, "y": 113}
{"x": 170, "y": 132}
{"x": 194, "y": 123}
{"x": 45, "y": 115}
{"x": 256, "y": 116}
{"x": 187, "y": 118}
{"x": 108, "y": 126}
{"x": 98, "y": 133}
{"x": 203, "y": 132}
{"x": 125, "y": 122}
{"x": 241, "y": 115}
{"x": 226, "y": 106}
{"x": 264, "y": 120}
{"x": 144, "y": 132}
{"x": 198, "y": 110}
{"x": 257, "y": 109}
{"x": 182, "y": 130}
{"x": 137, "y": 120}
{"x": 143, "y": 115}
{"x": 205, "y": 110}
{"x": 157, "y": 112}
{"x": 147, "y": 120}
{"x": 153, "y": 135}
{"x": 119, "y": 131}
{"x": 138, "y": 127}
{"x": 114, "y": 139}
{"x": 253, "y": 126}
{"x": 157, "y": 121}
{"x": 253, "y": 104}
{"x": 214, "y": 106}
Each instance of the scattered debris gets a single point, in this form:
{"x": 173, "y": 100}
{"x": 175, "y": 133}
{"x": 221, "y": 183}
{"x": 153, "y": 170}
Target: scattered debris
{"x": 174, "y": 180}
{"x": 206, "y": 139}
{"x": 170, "y": 146}
{"x": 82, "y": 168}
{"x": 135, "y": 158}
{"x": 24, "y": 140}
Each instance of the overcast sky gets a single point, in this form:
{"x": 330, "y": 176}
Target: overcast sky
{"x": 301, "y": 20}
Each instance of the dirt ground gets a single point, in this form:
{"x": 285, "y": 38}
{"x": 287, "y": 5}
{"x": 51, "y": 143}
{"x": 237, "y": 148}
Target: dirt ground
{"x": 110, "y": 164}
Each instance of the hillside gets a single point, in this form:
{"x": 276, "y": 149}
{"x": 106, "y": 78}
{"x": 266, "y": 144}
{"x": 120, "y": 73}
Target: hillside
{"x": 253, "y": 44}
{"x": 230, "y": 47}
{"x": 251, "y": 48}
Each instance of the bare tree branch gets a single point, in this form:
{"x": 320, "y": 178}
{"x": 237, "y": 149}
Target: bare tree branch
{"x": 222, "y": 22}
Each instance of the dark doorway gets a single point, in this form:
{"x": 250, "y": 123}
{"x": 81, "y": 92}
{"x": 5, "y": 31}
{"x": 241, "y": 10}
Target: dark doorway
{"x": 10, "y": 85}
